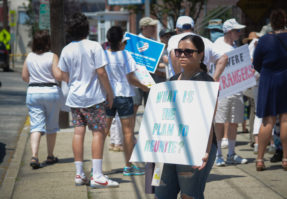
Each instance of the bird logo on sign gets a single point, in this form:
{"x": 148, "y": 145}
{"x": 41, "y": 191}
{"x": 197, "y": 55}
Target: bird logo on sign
{"x": 142, "y": 46}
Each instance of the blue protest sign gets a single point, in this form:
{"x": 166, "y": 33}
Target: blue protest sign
{"x": 146, "y": 52}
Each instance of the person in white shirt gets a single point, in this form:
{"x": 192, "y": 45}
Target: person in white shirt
{"x": 82, "y": 63}
{"x": 229, "y": 109}
{"x": 43, "y": 96}
{"x": 184, "y": 26}
{"x": 120, "y": 70}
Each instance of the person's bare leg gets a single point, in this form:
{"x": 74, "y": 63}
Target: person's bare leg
{"x": 219, "y": 132}
{"x": 136, "y": 107}
{"x": 51, "y": 141}
{"x": 98, "y": 143}
{"x": 283, "y": 133}
{"x": 226, "y": 125}
{"x": 127, "y": 124}
{"x": 264, "y": 135}
{"x": 78, "y": 143}
{"x": 232, "y": 133}
{"x": 109, "y": 124}
{"x": 35, "y": 138}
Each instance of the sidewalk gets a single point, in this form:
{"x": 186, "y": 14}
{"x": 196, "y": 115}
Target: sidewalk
{"x": 57, "y": 181}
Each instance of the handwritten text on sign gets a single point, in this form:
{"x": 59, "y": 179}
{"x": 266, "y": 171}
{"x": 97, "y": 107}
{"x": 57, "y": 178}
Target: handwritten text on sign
{"x": 238, "y": 74}
{"x": 176, "y": 123}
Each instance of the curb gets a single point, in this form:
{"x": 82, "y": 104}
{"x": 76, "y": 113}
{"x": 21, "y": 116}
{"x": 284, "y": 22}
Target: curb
{"x": 14, "y": 166}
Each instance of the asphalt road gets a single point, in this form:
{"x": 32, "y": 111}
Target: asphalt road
{"x": 13, "y": 112}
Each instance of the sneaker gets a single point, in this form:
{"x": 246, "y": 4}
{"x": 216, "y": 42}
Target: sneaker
{"x": 219, "y": 161}
{"x": 133, "y": 170}
{"x": 81, "y": 180}
{"x": 255, "y": 150}
{"x": 224, "y": 143}
{"x": 272, "y": 149}
{"x": 235, "y": 159}
{"x": 103, "y": 182}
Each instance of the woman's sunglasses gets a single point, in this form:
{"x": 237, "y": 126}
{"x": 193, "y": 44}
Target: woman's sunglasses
{"x": 187, "y": 52}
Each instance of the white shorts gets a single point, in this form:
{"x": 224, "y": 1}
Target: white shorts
{"x": 230, "y": 109}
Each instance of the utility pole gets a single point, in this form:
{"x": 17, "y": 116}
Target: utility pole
{"x": 147, "y": 8}
{"x": 5, "y": 14}
{"x": 58, "y": 42}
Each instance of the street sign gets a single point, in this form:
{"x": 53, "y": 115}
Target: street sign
{"x": 255, "y": 9}
{"x": 12, "y": 18}
{"x": 44, "y": 15}
{"x": 125, "y": 2}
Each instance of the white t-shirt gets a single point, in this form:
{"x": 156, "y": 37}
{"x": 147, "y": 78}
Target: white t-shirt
{"x": 120, "y": 63}
{"x": 40, "y": 67}
{"x": 210, "y": 54}
{"x": 81, "y": 59}
{"x": 40, "y": 71}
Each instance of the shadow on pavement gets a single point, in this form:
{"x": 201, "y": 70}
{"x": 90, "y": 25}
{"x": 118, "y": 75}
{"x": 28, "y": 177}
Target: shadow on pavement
{"x": 216, "y": 177}
{"x": 239, "y": 143}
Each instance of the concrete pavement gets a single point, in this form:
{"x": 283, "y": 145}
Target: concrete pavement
{"x": 12, "y": 116}
{"x": 57, "y": 181}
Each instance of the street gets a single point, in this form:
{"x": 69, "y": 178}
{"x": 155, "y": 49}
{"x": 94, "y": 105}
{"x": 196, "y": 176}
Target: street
{"x": 12, "y": 115}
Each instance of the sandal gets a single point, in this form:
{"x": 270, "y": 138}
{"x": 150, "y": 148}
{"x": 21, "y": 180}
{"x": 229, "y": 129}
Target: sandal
{"x": 111, "y": 147}
{"x": 284, "y": 164}
{"x": 260, "y": 165}
{"x": 35, "y": 163}
{"x": 118, "y": 148}
{"x": 51, "y": 160}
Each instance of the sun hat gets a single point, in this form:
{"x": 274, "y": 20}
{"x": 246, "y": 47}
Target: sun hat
{"x": 214, "y": 24}
{"x": 147, "y": 21}
{"x": 251, "y": 36}
{"x": 184, "y": 22}
{"x": 232, "y": 24}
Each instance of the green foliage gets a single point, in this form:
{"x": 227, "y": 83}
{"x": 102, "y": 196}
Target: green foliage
{"x": 175, "y": 8}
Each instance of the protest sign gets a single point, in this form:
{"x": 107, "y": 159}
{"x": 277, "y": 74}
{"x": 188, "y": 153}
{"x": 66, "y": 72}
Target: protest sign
{"x": 146, "y": 52}
{"x": 238, "y": 74}
{"x": 176, "y": 123}
{"x": 144, "y": 76}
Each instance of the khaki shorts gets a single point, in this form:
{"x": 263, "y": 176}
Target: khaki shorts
{"x": 230, "y": 109}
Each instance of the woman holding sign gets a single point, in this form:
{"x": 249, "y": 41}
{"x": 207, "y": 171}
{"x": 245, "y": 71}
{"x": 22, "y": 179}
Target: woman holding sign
{"x": 189, "y": 180}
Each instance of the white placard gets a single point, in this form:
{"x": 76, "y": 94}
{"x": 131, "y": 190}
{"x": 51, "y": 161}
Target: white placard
{"x": 144, "y": 76}
{"x": 238, "y": 74}
{"x": 176, "y": 123}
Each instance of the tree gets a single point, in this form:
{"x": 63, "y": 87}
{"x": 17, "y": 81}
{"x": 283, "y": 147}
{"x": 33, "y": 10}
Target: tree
{"x": 162, "y": 9}
{"x": 58, "y": 42}
{"x": 5, "y": 14}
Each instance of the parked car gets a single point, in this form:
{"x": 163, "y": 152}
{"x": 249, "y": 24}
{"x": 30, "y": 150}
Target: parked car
{"x": 4, "y": 57}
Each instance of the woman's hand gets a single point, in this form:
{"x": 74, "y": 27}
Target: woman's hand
{"x": 204, "y": 162}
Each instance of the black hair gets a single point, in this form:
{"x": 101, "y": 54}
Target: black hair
{"x": 115, "y": 36}
{"x": 41, "y": 42}
{"x": 78, "y": 27}
{"x": 278, "y": 19}
{"x": 198, "y": 43}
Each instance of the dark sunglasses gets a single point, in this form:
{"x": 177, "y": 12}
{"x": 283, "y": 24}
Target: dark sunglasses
{"x": 187, "y": 52}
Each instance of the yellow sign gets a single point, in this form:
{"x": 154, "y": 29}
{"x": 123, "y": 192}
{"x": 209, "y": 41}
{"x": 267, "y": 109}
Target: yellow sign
{"x": 255, "y": 9}
{"x": 12, "y": 18}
